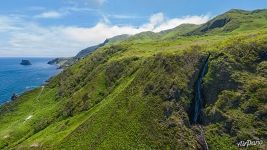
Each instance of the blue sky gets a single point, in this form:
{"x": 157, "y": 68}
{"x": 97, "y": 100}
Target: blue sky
{"x": 63, "y": 27}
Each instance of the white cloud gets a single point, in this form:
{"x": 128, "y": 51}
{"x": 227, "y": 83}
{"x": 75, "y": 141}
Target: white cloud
{"x": 50, "y": 14}
{"x": 22, "y": 38}
{"x": 157, "y": 18}
{"x": 172, "y": 23}
{"x": 99, "y": 32}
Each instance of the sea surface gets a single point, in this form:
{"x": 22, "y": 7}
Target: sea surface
{"x": 16, "y": 78}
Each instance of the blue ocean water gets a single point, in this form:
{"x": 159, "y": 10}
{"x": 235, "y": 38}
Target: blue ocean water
{"x": 16, "y": 78}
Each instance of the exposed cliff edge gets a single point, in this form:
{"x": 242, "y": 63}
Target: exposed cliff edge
{"x": 61, "y": 62}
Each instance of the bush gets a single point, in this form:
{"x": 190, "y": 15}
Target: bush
{"x": 228, "y": 100}
{"x": 41, "y": 124}
{"x": 262, "y": 69}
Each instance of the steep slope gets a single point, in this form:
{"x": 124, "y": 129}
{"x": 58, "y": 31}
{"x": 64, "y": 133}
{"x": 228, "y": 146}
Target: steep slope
{"x": 61, "y": 62}
{"x": 83, "y": 53}
{"x": 139, "y": 95}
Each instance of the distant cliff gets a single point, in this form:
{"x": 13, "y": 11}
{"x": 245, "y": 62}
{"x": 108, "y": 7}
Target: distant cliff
{"x": 68, "y": 61}
{"x": 61, "y": 62}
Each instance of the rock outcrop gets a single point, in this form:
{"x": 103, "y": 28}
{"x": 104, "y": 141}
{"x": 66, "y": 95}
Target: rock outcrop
{"x": 25, "y": 62}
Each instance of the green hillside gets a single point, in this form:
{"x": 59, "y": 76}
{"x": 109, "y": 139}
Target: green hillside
{"x": 178, "y": 31}
{"x": 171, "y": 34}
{"x": 234, "y": 20}
{"x": 138, "y": 93}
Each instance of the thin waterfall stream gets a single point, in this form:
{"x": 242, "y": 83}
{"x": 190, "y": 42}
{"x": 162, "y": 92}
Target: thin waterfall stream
{"x": 198, "y": 100}
{"x": 198, "y": 103}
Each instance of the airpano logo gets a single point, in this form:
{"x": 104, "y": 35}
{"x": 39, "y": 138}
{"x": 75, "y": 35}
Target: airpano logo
{"x": 248, "y": 143}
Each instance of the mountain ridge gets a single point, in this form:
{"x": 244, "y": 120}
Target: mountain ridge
{"x": 218, "y": 22}
{"x": 138, "y": 94}
{"x": 230, "y": 21}
{"x": 64, "y": 62}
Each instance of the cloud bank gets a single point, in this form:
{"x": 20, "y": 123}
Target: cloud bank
{"x": 22, "y": 38}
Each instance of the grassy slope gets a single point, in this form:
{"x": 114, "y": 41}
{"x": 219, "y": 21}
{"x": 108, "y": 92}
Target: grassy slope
{"x": 137, "y": 95}
{"x": 178, "y": 31}
{"x": 234, "y": 20}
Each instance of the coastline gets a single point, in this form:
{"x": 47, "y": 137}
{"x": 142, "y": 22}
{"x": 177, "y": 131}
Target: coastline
{"x": 28, "y": 90}
{"x": 18, "y": 79}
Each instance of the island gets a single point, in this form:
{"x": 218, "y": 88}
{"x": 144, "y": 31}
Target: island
{"x": 25, "y": 62}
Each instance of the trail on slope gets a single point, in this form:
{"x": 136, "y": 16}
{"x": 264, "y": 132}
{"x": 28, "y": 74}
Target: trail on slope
{"x": 42, "y": 89}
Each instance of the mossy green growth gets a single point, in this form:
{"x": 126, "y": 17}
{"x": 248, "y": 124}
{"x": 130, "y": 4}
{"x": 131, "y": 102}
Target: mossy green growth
{"x": 137, "y": 94}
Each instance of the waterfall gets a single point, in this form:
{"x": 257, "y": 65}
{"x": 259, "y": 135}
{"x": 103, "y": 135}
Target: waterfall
{"x": 198, "y": 100}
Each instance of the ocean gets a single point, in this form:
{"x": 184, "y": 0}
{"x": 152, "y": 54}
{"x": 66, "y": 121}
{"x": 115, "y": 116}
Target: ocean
{"x": 16, "y": 78}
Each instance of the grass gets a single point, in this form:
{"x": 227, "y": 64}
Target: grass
{"x": 137, "y": 94}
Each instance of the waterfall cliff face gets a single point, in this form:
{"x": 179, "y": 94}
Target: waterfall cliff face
{"x": 198, "y": 99}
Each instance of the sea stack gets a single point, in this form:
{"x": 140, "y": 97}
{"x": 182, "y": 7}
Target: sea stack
{"x": 25, "y": 62}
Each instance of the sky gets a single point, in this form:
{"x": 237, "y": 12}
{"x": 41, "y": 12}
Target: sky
{"x": 61, "y": 28}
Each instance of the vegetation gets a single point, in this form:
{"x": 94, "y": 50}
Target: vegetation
{"x": 137, "y": 93}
